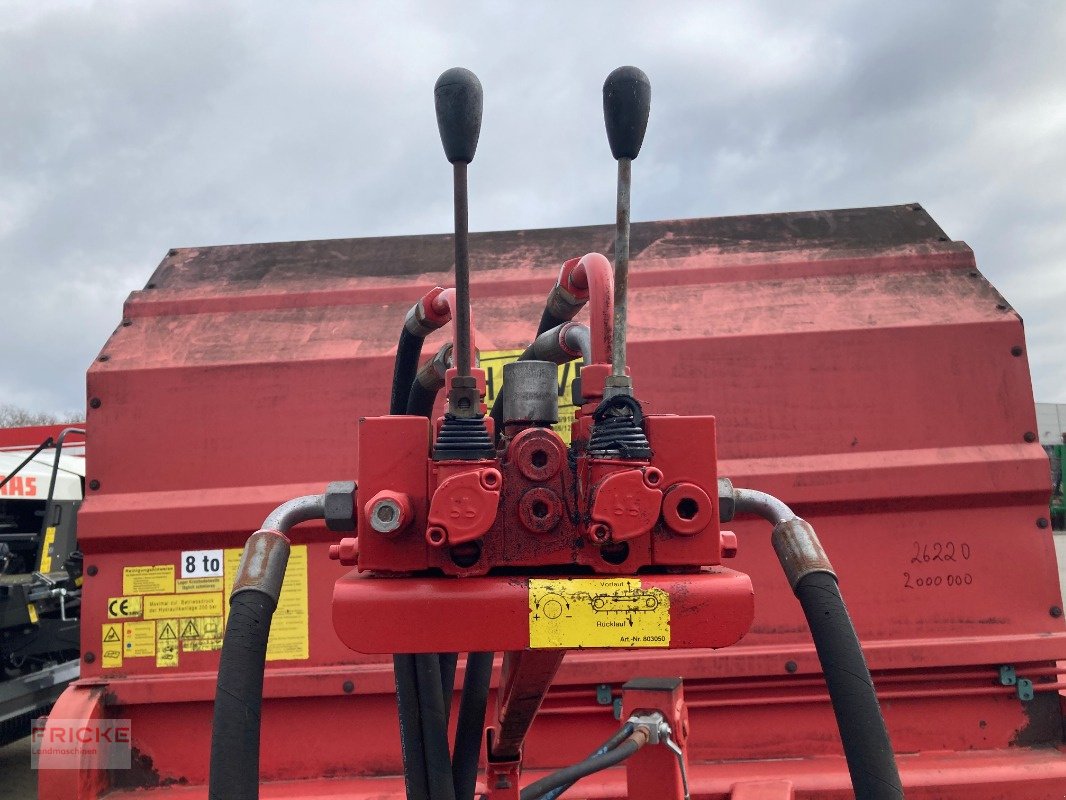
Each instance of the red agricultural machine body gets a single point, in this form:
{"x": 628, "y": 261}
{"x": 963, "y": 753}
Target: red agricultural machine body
{"x": 857, "y": 365}
{"x": 853, "y": 363}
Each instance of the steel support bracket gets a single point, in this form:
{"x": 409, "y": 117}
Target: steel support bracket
{"x": 658, "y": 773}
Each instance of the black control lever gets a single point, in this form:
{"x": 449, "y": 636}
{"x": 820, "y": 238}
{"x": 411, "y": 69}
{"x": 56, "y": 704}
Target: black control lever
{"x": 458, "y": 99}
{"x": 626, "y": 105}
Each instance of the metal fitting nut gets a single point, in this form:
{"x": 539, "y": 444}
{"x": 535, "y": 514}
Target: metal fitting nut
{"x": 340, "y": 506}
{"x": 727, "y": 502}
{"x": 347, "y": 552}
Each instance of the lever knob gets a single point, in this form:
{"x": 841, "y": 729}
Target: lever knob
{"x": 458, "y": 97}
{"x": 626, "y": 104}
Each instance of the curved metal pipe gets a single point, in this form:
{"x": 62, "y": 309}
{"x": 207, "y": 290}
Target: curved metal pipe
{"x": 761, "y": 504}
{"x": 295, "y": 511}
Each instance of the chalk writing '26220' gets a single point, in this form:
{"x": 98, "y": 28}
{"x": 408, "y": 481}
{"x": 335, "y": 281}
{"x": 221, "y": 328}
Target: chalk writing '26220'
{"x": 940, "y": 551}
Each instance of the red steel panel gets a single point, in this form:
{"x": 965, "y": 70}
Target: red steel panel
{"x": 857, "y": 364}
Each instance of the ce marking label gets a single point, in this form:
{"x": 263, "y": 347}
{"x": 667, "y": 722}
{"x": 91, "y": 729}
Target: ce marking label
{"x": 123, "y": 607}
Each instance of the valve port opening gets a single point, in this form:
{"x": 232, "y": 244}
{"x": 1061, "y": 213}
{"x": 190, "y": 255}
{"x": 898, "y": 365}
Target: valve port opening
{"x": 615, "y": 553}
{"x": 466, "y": 554}
{"x": 687, "y": 508}
{"x": 539, "y": 459}
{"x": 540, "y": 509}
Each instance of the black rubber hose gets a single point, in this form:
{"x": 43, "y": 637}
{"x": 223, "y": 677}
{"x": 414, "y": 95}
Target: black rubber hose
{"x": 867, "y": 748}
{"x": 434, "y": 728}
{"x": 470, "y": 726}
{"x": 447, "y": 681}
{"x": 620, "y": 735}
{"x": 571, "y": 774}
{"x": 403, "y": 665}
{"x": 548, "y": 321}
{"x": 420, "y": 399}
{"x": 414, "y": 760}
{"x": 239, "y": 697}
{"x": 403, "y": 374}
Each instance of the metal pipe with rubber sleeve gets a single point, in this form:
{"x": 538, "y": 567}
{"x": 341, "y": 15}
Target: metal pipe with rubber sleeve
{"x": 867, "y": 747}
{"x": 235, "y": 730}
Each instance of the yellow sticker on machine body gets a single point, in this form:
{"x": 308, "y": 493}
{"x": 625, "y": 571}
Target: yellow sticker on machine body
{"x": 201, "y": 634}
{"x": 139, "y": 639}
{"x": 164, "y": 606}
{"x": 158, "y": 579}
{"x": 597, "y": 612}
{"x": 31, "y": 609}
{"x": 111, "y": 645}
{"x": 161, "y": 615}
{"x": 124, "y": 607}
{"x": 187, "y": 585}
{"x": 493, "y": 362}
{"x": 46, "y": 549}
{"x": 288, "y": 629}
{"x": 166, "y": 643}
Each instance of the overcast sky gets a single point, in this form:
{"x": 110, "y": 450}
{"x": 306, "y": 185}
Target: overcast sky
{"x": 127, "y": 128}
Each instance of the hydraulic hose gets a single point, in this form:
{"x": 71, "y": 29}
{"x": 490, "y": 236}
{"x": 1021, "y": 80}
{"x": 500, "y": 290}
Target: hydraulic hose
{"x": 434, "y": 728}
{"x": 470, "y": 727}
{"x": 620, "y": 736}
{"x": 423, "y": 318}
{"x": 406, "y": 365}
{"x": 867, "y": 747}
{"x": 570, "y": 775}
{"x": 428, "y": 382}
{"x": 235, "y": 730}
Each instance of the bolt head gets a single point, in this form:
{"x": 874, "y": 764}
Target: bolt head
{"x": 385, "y": 515}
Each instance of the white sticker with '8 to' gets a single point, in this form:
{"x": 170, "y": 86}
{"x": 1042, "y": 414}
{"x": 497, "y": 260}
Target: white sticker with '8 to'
{"x": 201, "y": 564}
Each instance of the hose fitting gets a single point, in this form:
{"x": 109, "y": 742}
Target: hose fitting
{"x": 263, "y": 562}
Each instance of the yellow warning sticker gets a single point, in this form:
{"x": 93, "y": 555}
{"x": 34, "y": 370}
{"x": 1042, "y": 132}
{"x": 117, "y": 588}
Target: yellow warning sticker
{"x": 288, "y": 630}
{"x": 597, "y": 612}
{"x": 185, "y": 585}
{"x": 123, "y": 607}
{"x": 163, "y": 606}
{"x": 166, "y": 643}
{"x": 46, "y": 549}
{"x": 111, "y": 645}
{"x": 148, "y": 580}
{"x": 31, "y": 609}
{"x": 493, "y": 362}
{"x": 200, "y": 634}
{"x": 140, "y": 639}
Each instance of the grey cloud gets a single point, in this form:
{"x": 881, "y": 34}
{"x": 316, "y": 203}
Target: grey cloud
{"x": 131, "y": 127}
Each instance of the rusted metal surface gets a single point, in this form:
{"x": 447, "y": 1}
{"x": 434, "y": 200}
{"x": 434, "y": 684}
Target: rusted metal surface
{"x": 799, "y": 550}
{"x": 262, "y": 565}
{"x": 858, "y": 366}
